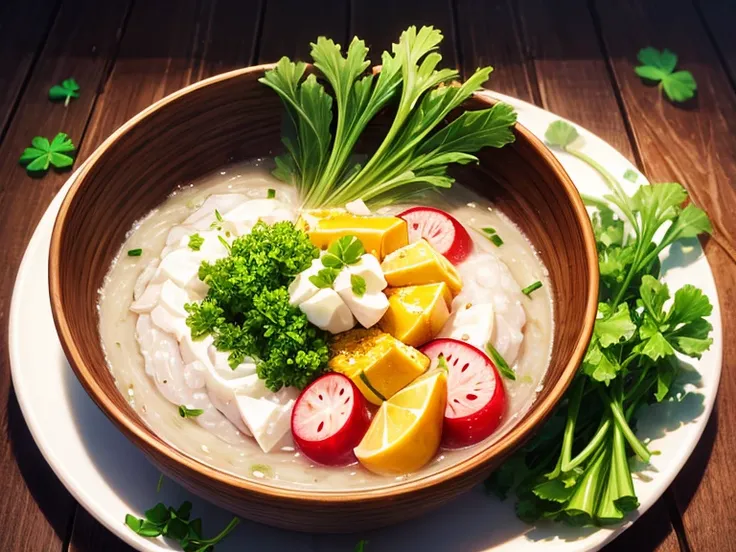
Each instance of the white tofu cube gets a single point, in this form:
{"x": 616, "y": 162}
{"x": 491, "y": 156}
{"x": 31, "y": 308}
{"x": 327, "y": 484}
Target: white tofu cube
{"x": 370, "y": 270}
{"x": 367, "y": 309}
{"x": 301, "y": 288}
{"x": 328, "y": 311}
{"x": 268, "y": 421}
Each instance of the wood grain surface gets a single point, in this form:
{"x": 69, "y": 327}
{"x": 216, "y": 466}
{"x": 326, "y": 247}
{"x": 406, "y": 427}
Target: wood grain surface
{"x": 565, "y": 56}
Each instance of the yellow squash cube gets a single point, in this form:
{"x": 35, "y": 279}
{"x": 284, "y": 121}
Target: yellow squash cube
{"x": 418, "y": 263}
{"x": 416, "y": 313}
{"x": 379, "y": 235}
{"x": 377, "y": 363}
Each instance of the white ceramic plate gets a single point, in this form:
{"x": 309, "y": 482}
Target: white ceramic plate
{"x": 110, "y": 477}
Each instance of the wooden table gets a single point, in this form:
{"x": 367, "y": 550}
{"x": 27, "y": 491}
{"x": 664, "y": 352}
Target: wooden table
{"x": 573, "y": 57}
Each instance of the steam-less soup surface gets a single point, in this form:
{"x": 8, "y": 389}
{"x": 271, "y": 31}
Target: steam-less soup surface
{"x": 148, "y": 355}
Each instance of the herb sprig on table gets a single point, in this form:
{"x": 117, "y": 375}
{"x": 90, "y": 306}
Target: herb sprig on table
{"x": 577, "y": 468}
{"x": 247, "y": 308}
{"x": 66, "y": 90}
{"x": 413, "y": 156}
{"x": 43, "y": 153}
{"x": 659, "y": 67}
{"x": 176, "y": 525}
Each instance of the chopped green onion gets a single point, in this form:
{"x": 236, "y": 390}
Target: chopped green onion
{"x": 135, "y": 252}
{"x": 531, "y": 287}
{"x": 500, "y": 363}
{"x": 493, "y": 236}
{"x": 185, "y": 412}
{"x": 496, "y": 240}
{"x": 223, "y": 241}
{"x": 271, "y": 193}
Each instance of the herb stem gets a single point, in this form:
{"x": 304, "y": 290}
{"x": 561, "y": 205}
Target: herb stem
{"x": 610, "y": 181}
{"x": 572, "y": 416}
{"x": 618, "y": 416}
{"x": 591, "y": 447}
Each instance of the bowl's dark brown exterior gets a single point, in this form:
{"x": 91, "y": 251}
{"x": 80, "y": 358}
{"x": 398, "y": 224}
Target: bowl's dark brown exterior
{"x": 232, "y": 116}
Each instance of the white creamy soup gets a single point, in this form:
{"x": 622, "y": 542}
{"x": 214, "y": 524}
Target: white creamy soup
{"x": 157, "y": 366}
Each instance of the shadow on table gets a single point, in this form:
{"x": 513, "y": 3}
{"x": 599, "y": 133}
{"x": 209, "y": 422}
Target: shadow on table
{"x": 687, "y": 481}
{"x": 54, "y": 501}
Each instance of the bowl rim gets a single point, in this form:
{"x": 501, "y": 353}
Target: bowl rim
{"x": 147, "y": 441}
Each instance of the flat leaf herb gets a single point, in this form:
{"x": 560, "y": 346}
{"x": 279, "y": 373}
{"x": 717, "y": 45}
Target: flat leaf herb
{"x": 325, "y": 278}
{"x": 176, "y": 525}
{"x": 415, "y": 153}
{"x": 357, "y": 284}
{"x": 66, "y": 90}
{"x": 659, "y": 67}
{"x": 43, "y": 153}
{"x": 577, "y": 468}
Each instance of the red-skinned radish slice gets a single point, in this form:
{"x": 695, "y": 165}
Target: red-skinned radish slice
{"x": 441, "y": 230}
{"x": 329, "y": 419}
{"x": 476, "y": 400}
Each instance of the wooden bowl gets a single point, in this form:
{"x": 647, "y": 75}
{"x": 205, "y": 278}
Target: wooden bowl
{"x": 232, "y": 116}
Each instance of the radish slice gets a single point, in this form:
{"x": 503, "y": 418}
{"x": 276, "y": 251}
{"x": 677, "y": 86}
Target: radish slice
{"x": 329, "y": 419}
{"x": 441, "y": 230}
{"x": 476, "y": 400}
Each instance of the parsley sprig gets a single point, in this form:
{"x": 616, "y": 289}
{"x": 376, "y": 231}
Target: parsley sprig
{"x": 414, "y": 155}
{"x": 659, "y": 67}
{"x": 577, "y": 469}
{"x": 43, "y": 153}
{"x": 176, "y": 525}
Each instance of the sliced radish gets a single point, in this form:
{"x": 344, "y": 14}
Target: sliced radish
{"x": 476, "y": 400}
{"x": 441, "y": 230}
{"x": 329, "y": 419}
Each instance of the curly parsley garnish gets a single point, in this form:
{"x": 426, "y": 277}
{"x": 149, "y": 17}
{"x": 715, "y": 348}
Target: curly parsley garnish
{"x": 247, "y": 308}
{"x": 195, "y": 242}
